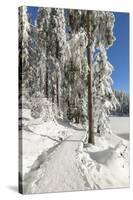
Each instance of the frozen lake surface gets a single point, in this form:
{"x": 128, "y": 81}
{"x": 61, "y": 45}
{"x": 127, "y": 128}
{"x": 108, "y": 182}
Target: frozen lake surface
{"x": 121, "y": 126}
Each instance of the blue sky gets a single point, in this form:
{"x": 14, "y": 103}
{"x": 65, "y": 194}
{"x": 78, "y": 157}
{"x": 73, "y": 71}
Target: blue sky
{"x": 118, "y": 54}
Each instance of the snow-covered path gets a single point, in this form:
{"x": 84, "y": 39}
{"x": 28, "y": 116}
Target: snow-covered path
{"x": 59, "y": 172}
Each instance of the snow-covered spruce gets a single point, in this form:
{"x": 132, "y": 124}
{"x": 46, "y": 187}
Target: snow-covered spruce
{"x": 29, "y": 55}
{"x": 75, "y": 80}
{"x": 51, "y": 32}
{"x": 104, "y": 99}
{"x": 123, "y": 108}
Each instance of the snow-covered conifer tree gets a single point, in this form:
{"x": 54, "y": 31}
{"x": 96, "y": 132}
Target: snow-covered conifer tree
{"x": 77, "y": 65}
{"x": 24, "y": 28}
{"x": 99, "y": 28}
{"x": 57, "y": 40}
{"x": 123, "y": 107}
{"x": 42, "y": 29}
{"x": 103, "y": 96}
{"x": 51, "y": 36}
{"x": 27, "y": 52}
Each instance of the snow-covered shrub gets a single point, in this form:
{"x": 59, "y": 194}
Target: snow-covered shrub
{"x": 43, "y": 108}
{"x": 48, "y": 113}
{"x": 24, "y": 102}
{"x": 36, "y": 105}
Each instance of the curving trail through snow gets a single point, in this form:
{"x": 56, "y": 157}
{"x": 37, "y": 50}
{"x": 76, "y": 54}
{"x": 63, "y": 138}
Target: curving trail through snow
{"x": 59, "y": 171}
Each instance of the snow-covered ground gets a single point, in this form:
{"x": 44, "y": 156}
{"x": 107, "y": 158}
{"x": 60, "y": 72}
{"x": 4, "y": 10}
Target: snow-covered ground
{"x": 59, "y": 172}
{"x": 49, "y": 155}
{"x": 106, "y": 165}
{"x": 54, "y": 158}
{"x": 38, "y": 136}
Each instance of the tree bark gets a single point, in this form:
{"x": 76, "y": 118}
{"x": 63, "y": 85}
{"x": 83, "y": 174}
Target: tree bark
{"x": 41, "y": 82}
{"x": 90, "y": 103}
{"x": 57, "y": 90}
{"x": 47, "y": 62}
{"x": 53, "y": 93}
{"x": 46, "y": 83}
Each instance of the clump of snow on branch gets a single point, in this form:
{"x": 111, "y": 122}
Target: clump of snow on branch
{"x": 76, "y": 46}
{"x": 102, "y": 24}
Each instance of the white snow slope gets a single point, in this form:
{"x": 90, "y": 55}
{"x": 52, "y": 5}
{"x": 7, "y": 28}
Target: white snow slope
{"x": 59, "y": 172}
{"x": 106, "y": 165}
{"x": 38, "y": 136}
{"x": 49, "y": 155}
{"x": 54, "y": 158}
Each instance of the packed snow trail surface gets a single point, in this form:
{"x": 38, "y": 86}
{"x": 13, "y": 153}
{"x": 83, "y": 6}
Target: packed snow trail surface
{"x": 59, "y": 172}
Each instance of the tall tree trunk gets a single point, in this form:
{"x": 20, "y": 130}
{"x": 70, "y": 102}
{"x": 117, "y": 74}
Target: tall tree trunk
{"x": 90, "y": 106}
{"x": 46, "y": 81}
{"x": 57, "y": 90}
{"x": 41, "y": 82}
{"x": 47, "y": 61}
{"x": 53, "y": 93}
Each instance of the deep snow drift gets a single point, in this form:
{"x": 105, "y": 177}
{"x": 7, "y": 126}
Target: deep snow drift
{"x": 106, "y": 165}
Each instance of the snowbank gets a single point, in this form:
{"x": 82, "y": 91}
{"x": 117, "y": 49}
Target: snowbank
{"x": 105, "y": 165}
{"x": 39, "y": 134}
